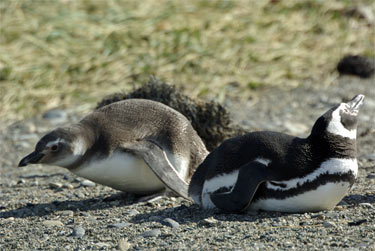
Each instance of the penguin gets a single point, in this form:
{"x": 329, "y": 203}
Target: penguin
{"x": 136, "y": 145}
{"x": 272, "y": 171}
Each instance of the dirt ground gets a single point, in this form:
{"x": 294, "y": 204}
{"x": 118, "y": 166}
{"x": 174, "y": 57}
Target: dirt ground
{"x": 48, "y": 208}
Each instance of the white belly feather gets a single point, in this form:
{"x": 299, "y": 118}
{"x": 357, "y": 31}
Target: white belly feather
{"x": 323, "y": 197}
{"x": 124, "y": 172}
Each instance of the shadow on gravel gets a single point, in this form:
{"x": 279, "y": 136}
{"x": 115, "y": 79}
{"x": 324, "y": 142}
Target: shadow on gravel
{"x": 356, "y": 199}
{"x": 44, "y": 209}
{"x": 186, "y": 214}
{"x": 205, "y": 218}
{"x": 183, "y": 214}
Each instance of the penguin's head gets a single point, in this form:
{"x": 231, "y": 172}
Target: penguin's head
{"x": 61, "y": 147}
{"x": 340, "y": 120}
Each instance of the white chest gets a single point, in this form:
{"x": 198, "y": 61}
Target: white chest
{"x": 122, "y": 171}
{"x": 323, "y": 197}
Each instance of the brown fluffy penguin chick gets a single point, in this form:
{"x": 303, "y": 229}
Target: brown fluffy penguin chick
{"x": 210, "y": 119}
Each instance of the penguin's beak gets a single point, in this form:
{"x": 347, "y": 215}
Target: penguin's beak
{"x": 32, "y": 158}
{"x": 356, "y": 103}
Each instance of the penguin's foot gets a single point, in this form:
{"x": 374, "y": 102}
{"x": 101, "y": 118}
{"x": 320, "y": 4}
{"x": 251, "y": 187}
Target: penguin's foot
{"x": 119, "y": 196}
{"x": 155, "y": 197}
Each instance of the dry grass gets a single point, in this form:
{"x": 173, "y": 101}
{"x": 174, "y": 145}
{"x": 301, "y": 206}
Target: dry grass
{"x": 59, "y": 52}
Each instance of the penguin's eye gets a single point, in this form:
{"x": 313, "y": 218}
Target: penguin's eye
{"x": 54, "y": 148}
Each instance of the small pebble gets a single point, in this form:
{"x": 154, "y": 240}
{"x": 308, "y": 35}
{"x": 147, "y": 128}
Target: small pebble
{"x": 133, "y": 212}
{"x": 170, "y": 223}
{"x": 343, "y": 203}
{"x": 328, "y": 224}
{"x": 79, "y": 194}
{"x": 332, "y": 215}
{"x": 119, "y": 225}
{"x": 66, "y": 213}
{"x": 68, "y": 186}
{"x": 68, "y": 177}
{"x": 102, "y": 245}
{"x": 21, "y": 181}
{"x": 78, "y": 232}
{"x": 154, "y": 218}
{"x": 155, "y": 199}
{"x": 55, "y": 116}
{"x": 368, "y": 205}
{"x": 91, "y": 219}
{"x": 123, "y": 245}
{"x": 318, "y": 216}
{"x": 208, "y": 222}
{"x": 114, "y": 203}
{"x": 88, "y": 183}
{"x": 357, "y": 223}
{"x": 370, "y": 156}
{"x": 152, "y": 233}
{"x": 55, "y": 185}
{"x": 53, "y": 223}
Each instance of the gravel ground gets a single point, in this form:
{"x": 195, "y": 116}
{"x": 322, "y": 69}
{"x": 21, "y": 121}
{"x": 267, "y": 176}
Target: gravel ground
{"x": 48, "y": 208}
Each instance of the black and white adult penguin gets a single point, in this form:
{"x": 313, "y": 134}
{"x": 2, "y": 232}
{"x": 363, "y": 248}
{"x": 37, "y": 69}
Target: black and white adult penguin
{"x": 276, "y": 172}
{"x": 136, "y": 145}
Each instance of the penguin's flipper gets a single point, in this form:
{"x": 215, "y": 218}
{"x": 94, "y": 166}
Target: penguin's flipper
{"x": 250, "y": 176}
{"x": 156, "y": 158}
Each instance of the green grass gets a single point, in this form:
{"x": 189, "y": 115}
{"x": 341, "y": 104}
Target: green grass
{"x": 64, "y": 52}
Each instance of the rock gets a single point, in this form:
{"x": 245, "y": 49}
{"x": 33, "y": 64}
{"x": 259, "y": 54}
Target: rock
{"x": 170, "y": 223}
{"x": 68, "y": 186}
{"x": 210, "y": 222}
{"x": 53, "y": 223}
{"x": 114, "y": 203}
{"x": 79, "y": 194}
{"x": 361, "y": 66}
{"x": 154, "y": 199}
{"x": 368, "y": 205}
{"x": 357, "y": 223}
{"x": 318, "y": 216}
{"x": 55, "y": 116}
{"x": 88, "y": 183}
{"x": 78, "y": 232}
{"x": 370, "y": 156}
{"x": 355, "y": 197}
{"x": 328, "y": 224}
{"x": 32, "y": 175}
{"x": 102, "y": 245}
{"x": 343, "y": 203}
{"x": 133, "y": 212}
{"x": 123, "y": 245}
{"x": 91, "y": 219}
{"x": 68, "y": 177}
{"x": 55, "y": 185}
{"x": 119, "y": 225}
{"x": 21, "y": 181}
{"x": 332, "y": 215}
{"x": 152, "y": 233}
{"x": 66, "y": 213}
{"x": 371, "y": 176}
{"x": 154, "y": 218}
